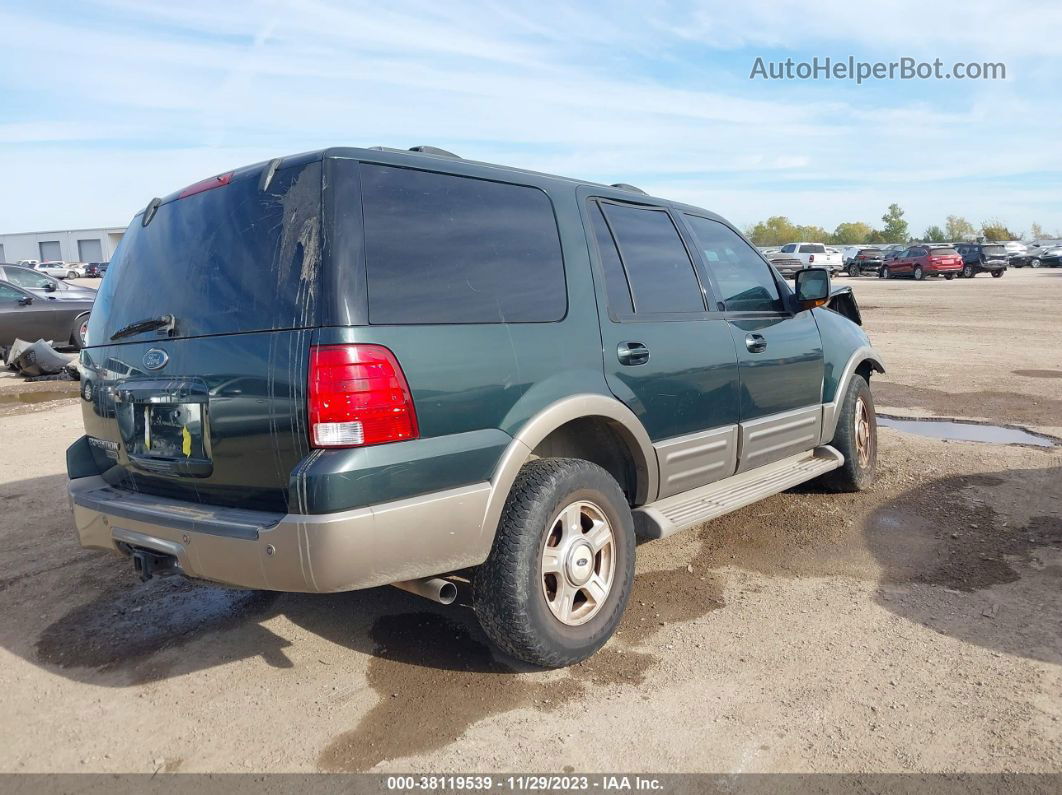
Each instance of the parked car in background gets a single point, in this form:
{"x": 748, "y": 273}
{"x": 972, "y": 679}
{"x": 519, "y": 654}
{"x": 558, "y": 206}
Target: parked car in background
{"x": 865, "y": 260}
{"x": 373, "y": 436}
{"x": 786, "y": 264}
{"x": 982, "y": 258}
{"x": 78, "y": 268}
{"x": 892, "y": 251}
{"x": 95, "y": 270}
{"x": 42, "y": 284}
{"x": 27, "y": 316}
{"x": 918, "y": 262}
{"x": 1015, "y": 247}
{"x": 28, "y": 263}
{"x": 58, "y": 269}
{"x": 815, "y": 255}
{"x": 1035, "y": 253}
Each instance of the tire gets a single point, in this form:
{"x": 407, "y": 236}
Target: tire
{"x": 511, "y": 590}
{"x": 967, "y": 272}
{"x": 853, "y": 271}
{"x": 997, "y": 274}
{"x": 949, "y": 276}
{"x": 859, "y": 447}
{"x": 1036, "y": 262}
{"x": 77, "y": 331}
{"x": 918, "y": 273}
{"x": 885, "y": 273}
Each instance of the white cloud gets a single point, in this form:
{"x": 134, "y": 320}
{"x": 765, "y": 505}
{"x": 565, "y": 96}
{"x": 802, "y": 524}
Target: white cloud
{"x": 137, "y": 99}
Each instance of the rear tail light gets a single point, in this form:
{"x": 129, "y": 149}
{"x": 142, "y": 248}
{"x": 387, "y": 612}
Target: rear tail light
{"x": 811, "y": 258}
{"x": 358, "y": 396}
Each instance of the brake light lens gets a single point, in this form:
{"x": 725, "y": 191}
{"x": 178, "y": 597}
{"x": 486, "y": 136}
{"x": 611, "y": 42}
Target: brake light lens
{"x": 358, "y": 396}
{"x": 220, "y": 181}
{"x": 811, "y": 258}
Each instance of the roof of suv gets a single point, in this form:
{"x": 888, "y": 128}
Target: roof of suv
{"x": 432, "y": 157}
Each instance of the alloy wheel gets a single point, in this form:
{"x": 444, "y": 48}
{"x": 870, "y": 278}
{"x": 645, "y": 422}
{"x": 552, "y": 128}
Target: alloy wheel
{"x": 578, "y": 563}
{"x": 864, "y": 439}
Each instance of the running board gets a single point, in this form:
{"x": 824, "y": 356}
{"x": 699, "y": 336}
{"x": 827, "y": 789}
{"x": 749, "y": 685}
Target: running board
{"x": 662, "y": 518}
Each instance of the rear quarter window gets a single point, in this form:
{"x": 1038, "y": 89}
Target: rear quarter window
{"x": 441, "y": 248}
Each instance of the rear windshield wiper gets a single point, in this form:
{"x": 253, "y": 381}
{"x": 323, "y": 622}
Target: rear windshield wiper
{"x": 166, "y": 322}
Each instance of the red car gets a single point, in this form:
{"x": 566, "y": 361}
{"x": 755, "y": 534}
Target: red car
{"x": 923, "y": 260}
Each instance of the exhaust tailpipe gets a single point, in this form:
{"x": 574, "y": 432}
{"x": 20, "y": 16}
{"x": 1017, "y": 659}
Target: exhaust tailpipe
{"x": 435, "y": 588}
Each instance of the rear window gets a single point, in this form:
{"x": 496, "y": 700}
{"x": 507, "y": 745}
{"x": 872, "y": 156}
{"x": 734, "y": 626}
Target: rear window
{"x": 232, "y": 259}
{"x": 995, "y": 251}
{"x": 447, "y": 249}
{"x": 869, "y": 252}
{"x": 942, "y": 251}
{"x": 812, "y": 249}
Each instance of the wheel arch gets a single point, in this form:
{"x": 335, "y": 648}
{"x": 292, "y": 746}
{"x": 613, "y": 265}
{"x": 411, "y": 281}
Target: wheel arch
{"x": 862, "y": 362}
{"x": 571, "y": 418}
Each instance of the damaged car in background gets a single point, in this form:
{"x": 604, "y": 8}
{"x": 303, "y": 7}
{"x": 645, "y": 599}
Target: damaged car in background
{"x": 27, "y": 315}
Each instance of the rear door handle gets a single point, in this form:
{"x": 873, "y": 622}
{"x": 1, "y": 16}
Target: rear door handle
{"x": 755, "y": 343}
{"x": 632, "y": 353}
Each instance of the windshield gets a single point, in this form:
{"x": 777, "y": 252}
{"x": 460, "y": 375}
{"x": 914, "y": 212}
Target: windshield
{"x": 27, "y": 278}
{"x": 230, "y": 259}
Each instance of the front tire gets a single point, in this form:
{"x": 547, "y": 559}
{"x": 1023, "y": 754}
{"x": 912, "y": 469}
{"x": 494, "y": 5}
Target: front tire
{"x": 856, "y": 438}
{"x": 560, "y": 572}
{"x": 949, "y": 276}
{"x": 853, "y": 270}
{"x": 1035, "y": 263}
{"x": 886, "y": 273}
{"x": 997, "y": 274}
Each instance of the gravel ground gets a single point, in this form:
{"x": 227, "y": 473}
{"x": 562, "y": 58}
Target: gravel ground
{"x": 913, "y": 627}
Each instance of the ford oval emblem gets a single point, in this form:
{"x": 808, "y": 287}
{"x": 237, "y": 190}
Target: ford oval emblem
{"x": 155, "y": 359}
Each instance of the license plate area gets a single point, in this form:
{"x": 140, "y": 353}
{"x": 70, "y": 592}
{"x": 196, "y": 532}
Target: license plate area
{"x": 164, "y": 427}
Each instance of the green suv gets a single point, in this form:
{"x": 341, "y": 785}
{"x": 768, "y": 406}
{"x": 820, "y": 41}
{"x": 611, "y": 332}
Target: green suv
{"x": 362, "y": 367}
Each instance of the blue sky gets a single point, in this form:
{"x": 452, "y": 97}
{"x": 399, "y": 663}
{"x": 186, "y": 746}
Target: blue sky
{"x": 106, "y": 104}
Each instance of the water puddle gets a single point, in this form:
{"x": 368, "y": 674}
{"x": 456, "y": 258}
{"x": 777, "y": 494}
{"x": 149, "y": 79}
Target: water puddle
{"x": 956, "y": 431}
{"x": 13, "y": 398}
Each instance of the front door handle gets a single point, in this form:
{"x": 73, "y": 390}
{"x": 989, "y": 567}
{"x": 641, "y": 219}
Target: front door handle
{"x": 755, "y": 343}
{"x": 632, "y": 353}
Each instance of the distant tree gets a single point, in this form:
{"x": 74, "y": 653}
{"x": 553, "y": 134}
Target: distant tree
{"x": 958, "y": 228}
{"x": 1036, "y": 232}
{"x": 895, "y": 228}
{"x": 875, "y": 237}
{"x": 934, "y": 234}
{"x": 813, "y": 234}
{"x": 775, "y": 231}
{"x": 851, "y": 232}
{"x": 996, "y": 230}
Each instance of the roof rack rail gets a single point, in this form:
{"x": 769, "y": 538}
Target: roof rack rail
{"x": 627, "y": 186}
{"x": 433, "y": 150}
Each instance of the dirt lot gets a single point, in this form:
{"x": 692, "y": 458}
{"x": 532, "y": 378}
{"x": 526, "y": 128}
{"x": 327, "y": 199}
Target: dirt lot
{"x": 917, "y": 626}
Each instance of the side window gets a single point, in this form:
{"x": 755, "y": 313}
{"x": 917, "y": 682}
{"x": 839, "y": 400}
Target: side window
{"x": 619, "y": 294}
{"x": 25, "y": 278}
{"x": 789, "y": 249}
{"x": 446, "y": 249}
{"x": 744, "y": 279}
{"x": 9, "y": 293}
{"x": 658, "y": 266}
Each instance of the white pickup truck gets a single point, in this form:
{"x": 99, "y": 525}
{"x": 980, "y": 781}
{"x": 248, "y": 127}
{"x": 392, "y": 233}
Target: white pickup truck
{"x": 817, "y": 255}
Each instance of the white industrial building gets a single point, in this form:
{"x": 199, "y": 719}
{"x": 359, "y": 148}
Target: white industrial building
{"x": 70, "y": 245}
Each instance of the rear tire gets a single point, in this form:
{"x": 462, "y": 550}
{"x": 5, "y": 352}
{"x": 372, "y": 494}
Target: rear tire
{"x": 997, "y": 274}
{"x": 79, "y": 331}
{"x": 853, "y": 271}
{"x": 967, "y": 272}
{"x": 918, "y": 273}
{"x": 1035, "y": 263}
{"x": 885, "y": 273}
{"x": 949, "y": 276}
{"x": 552, "y": 537}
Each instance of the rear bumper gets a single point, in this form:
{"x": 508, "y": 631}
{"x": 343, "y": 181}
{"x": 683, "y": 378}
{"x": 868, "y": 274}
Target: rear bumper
{"x": 943, "y": 268}
{"x": 360, "y": 548}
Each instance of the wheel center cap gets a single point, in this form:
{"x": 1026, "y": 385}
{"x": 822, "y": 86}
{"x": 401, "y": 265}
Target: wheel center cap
{"x": 580, "y": 563}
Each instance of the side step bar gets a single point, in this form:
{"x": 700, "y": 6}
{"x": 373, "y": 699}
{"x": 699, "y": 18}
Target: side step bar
{"x": 662, "y": 518}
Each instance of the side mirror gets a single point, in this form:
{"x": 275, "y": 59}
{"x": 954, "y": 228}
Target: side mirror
{"x": 50, "y": 287}
{"x": 25, "y": 301}
{"x": 812, "y": 288}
